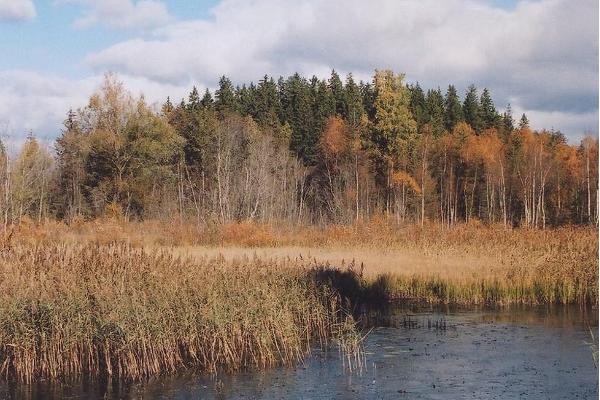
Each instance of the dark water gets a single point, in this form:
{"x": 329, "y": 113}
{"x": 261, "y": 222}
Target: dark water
{"x": 533, "y": 354}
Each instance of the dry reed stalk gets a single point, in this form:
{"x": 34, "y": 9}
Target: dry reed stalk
{"x": 67, "y": 310}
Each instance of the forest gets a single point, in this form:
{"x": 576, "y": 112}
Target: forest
{"x": 244, "y": 228}
{"x": 303, "y": 151}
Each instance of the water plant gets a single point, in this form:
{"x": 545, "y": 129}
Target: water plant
{"x": 68, "y": 310}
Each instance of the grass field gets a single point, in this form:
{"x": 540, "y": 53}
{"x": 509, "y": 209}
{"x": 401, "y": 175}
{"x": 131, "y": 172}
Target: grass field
{"x": 138, "y": 300}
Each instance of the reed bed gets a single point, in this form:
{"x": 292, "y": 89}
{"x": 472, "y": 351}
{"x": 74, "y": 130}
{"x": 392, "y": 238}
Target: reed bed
{"x": 377, "y": 233}
{"x": 462, "y": 264}
{"x": 115, "y": 310}
{"x": 562, "y": 277}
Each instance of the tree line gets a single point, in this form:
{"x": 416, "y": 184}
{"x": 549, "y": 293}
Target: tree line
{"x": 301, "y": 150}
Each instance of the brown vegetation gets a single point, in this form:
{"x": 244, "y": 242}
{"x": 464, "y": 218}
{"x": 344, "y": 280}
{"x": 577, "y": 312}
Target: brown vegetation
{"x": 466, "y": 263}
{"x": 133, "y": 300}
{"x": 67, "y": 310}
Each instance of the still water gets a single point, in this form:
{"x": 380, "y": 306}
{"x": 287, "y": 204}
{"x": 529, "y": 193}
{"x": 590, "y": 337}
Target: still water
{"x": 534, "y": 353}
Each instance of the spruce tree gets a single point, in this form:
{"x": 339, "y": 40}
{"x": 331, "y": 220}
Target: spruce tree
{"x": 225, "y": 97}
{"x": 245, "y": 99}
{"x": 298, "y": 113}
{"x": 368, "y": 96}
{"x": 471, "y": 109}
{"x": 323, "y": 103}
{"x": 354, "y": 103}
{"x": 434, "y": 111}
{"x": 488, "y": 116}
{"x": 323, "y": 106}
{"x": 452, "y": 108}
{"x": 523, "y": 122}
{"x": 207, "y": 101}
{"x": 268, "y": 105}
{"x": 337, "y": 91}
{"x": 508, "y": 124}
{"x": 166, "y": 109}
{"x": 417, "y": 104}
{"x": 193, "y": 100}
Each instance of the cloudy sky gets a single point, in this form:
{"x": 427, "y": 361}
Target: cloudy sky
{"x": 541, "y": 56}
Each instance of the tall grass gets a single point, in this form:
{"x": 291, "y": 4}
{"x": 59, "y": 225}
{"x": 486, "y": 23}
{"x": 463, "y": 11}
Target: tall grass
{"x": 565, "y": 279}
{"x": 67, "y": 310}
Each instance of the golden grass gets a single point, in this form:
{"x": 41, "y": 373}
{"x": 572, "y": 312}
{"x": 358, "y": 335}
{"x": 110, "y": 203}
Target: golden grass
{"x": 139, "y": 299}
{"x": 67, "y": 310}
{"x": 467, "y": 264}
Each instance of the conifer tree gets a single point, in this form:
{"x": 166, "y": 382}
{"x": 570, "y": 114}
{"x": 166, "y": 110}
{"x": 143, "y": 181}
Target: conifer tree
{"x": 298, "y": 113}
{"x": 323, "y": 106}
{"x": 207, "y": 101}
{"x": 193, "y": 100}
{"x": 488, "y": 116}
{"x": 417, "y": 104}
{"x": 434, "y": 112}
{"x": 268, "y": 105}
{"x": 394, "y": 133}
{"x": 354, "y": 103}
{"x": 523, "y": 122}
{"x": 71, "y": 153}
{"x": 453, "y": 109}
{"x": 225, "y": 97}
{"x": 323, "y": 103}
{"x": 246, "y": 100}
{"x": 368, "y": 97}
{"x": 471, "y": 109}
{"x": 167, "y": 108}
{"x": 507, "y": 123}
{"x": 337, "y": 91}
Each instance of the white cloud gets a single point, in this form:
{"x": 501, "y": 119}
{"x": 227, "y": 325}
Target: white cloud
{"x": 576, "y": 125}
{"x": 543, "y": 54}
{"x": 123, "y": 14}
{"x": 16, "y": 10}
{"x": 30, "y": 102}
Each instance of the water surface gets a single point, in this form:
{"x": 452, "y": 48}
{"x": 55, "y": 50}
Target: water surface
{"x": 535, "y": 353}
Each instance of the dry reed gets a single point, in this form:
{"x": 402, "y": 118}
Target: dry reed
{"x": 67, "y": 310}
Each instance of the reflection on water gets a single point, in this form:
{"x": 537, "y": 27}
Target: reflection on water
{"x": 535, "y": 353}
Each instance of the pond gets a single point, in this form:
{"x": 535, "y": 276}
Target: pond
{"x": 532, "y": 353}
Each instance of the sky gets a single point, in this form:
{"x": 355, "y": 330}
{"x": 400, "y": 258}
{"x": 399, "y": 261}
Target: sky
{"x": 541, "y": 56}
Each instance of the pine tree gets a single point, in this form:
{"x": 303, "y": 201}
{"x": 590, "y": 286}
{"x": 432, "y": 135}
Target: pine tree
{"x": 393, "y": 138}
{"x": 167, "y": 108}
{"x": 488, "y": 116}
{"x": 507, "y": 123}
{"x": 471, "y": 109}
{"x": 268, "y": 104}
{"x": 434, "y": 112}
{"x": 246, "y": 100}
{"x": 452, "y": 108}
{"x": 323, "y": 106}
{"x": 207, "y": 101}
{"x": 323, "y": 103}
{"x": 70, "y": 122}
{"x": 225, "y": 97}
{"x": 337, "y": 91}
{"x": 523, "y": 122}
{"x": 354, "y": 103}
{"x": 298, "y": 113}
{"x": 417, "y": 104}
{"x": 194, "y": 100}
{"x": 368, "y": 97}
